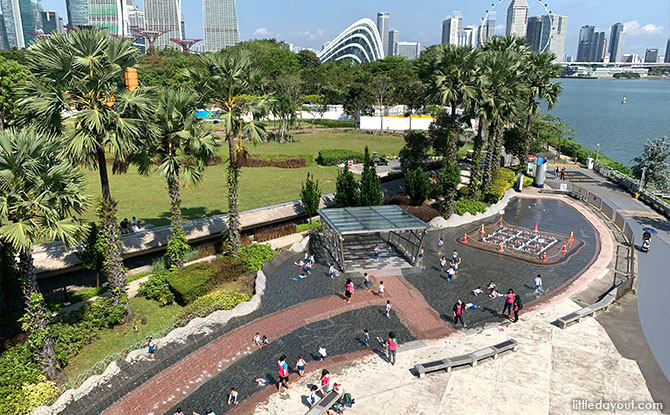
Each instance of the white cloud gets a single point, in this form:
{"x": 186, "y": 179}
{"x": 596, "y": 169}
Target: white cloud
{"x": 308, "y": 34}
{"x": 261, "y": 31}
{"x": 633, "y": 28}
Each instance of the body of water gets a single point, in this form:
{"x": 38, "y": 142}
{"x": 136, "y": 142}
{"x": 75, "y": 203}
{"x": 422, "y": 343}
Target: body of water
{"x": 594, "y": 110}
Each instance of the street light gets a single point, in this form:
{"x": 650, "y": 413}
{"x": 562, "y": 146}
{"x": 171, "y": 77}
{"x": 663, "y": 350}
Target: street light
{"x": 597, "y": 151}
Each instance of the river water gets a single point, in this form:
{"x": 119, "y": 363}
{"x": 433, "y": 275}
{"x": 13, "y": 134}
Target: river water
{"x": 594, "y": 110}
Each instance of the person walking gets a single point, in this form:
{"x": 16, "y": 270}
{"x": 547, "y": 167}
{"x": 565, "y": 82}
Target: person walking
{"x": 349, "y": 290}
{"x": 388, "y": 308}
{"x": 282, "y": 372}
{"x": 300, "y": 366}
{"x": 151, "y": 344}
{"x": 391, "y": 347}
{"x": 366, "y": 281}
{"x": 459, "y": 307}
{"x": 366, "y": 338}
{"x": 509, "y": 302}
{"x": 381, "y": 289}
{"x": 538, "y": 283}
{"x": 440, "y": 244}
{"x": 563, "y": 173}
{"x": 557, "y": 173}
{"x": 517, "y": 306}
{"x": 376, "y": 251}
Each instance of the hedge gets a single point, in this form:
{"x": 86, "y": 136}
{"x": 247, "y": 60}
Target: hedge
{"x": 279, "y": 160}
{"x": 334, "y": 123}
{"x": 218, "y": 300}
{"x": 254, "y": 256}
{"x": 505, "y": 180}
{"x": 335, "y": 157}
{"x": 471, "y": 206}
{"x": 308, "y": 226}
{"x": 423, "y": 212}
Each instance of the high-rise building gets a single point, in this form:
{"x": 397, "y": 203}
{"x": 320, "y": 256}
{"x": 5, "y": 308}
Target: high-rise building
{"x": 599, "y": 47}
{"x": 383, "y": 28}
{"x": 135, "y": 17}
{"x": 616, "y": 42}
{"x": 450, "y": 28}
{"x": 667, "y": 52}
{"x": 409, "y": 50}
{"x": 467, "y": 37}
{"x": 77, "y": 12}
{"x": 517, "y": 16}
{"x": 110, "y": 15}
{"x": 534, "y": 32}
{"x": 487, "y": 29}
{"x": 21, "y": 20}
{"x": 547, "y": 34}
{"x": 651, "y": 55}
{"x": 585, "y": 43}
{"x": 394, "y": 37}
{"x": 221, "y": 29}
{"x": 51, "y": 22}
{"x": 165, "y": 16}
{"x": 4, "y": 44}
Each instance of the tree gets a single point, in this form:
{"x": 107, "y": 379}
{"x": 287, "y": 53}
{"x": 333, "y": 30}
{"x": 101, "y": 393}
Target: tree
{"x": 181, "y": 151}
{"x": 39, "y": 194}
{"x": 92, "y": 253}
{"x": 540, "y": 72}
{"x": 314, "y": 104}
{"x": 517, "y": 141}
{"x": 412, "y": 94}
{"x": 654, "y": 162}
{"x": 447, "y": 182}
{"x": 310, "y": 195}
{"x": 347, "y": 190}
{"x": 417, "y": 186}
{"x": 414, "y": 153}
{"x": 358, "y": 99}
{"x": 382, "y": 91}
{"x": 287, "y": 102}
{"x": 85, "y": 70}
{"x": 307, "y": 59}
{"x": 226, "y": 81}
{"x": 446, "y": 136}
{"x": 371, "y": 186}
{"x": 11, "y": 76}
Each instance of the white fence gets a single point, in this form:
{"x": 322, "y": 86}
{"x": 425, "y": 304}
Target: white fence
{"x": 395, "y": 123}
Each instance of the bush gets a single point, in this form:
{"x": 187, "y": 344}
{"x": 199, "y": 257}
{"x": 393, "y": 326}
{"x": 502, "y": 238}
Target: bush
{"x": 177, "y": 247}
{"x": 308, "y": 226}
{"x": 28, "y": 397}
{"x": 528, "y": 181}
{"x": 397, "y": 200}
{"x": 279, "y": 160}
{"x": 463, "y": 192}
{"x": 157, "y": 288}
{"x": 425, "y": 213}
{"x": 191, "y": 282}
{"x": 17, "y": 367}
{"x": 255, "y": 256}
{"x": 472, "y": 206}
{"x": 335, "y": 157}
{"x": 334, "y": 123}
{"x": 218, "y": 300}
{"x": 273, "y": 232}
{"x": 417, "y": 186}
{"x": 505, "y": 180}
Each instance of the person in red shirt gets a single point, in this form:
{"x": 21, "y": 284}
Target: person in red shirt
{"x": 459, "y": 307}
{"x": 349, "y": 290}
{"x": 391, "y": 346}
{"x": 509, "y": 302}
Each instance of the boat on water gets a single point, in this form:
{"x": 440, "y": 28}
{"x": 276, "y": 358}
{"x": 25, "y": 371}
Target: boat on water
{"x": 623, "y": 101}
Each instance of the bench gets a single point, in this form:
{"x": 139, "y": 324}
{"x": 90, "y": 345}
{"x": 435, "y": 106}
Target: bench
{"x": 466, "y": 359}
{"x": 592, "y": 309}
{"x": 325, "y": 403}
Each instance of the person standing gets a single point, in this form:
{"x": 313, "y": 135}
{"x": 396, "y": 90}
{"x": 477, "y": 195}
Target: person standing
{"x": 366, "y": 281}
{"x": 151, "y": 344}
{"x": 563, "y": 173}
{"x": 282, "y": 372}
{"x": 517, "y": 306}
{"x": 381, "y": 289}
{"x": 538, "y": 283}
{"x": 440, "y": 244}
{"x": 300, "y": 366}
{"x": 349, "y": 290}
{"x": 376, "y": 251}
{"x": 366, "y": 338}
{"x": 459, "y": 307}
{"x": 388, "y": 308}
{"x": 331, "y": 271}
{"x": 391, "y": 348}
{"x": 325, "y": 381}
{"x": 557, "y": 173}
{"x": 509, "y": 302}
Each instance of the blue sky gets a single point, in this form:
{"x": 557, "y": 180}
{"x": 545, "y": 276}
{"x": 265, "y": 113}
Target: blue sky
{"x": 310, "y": 23}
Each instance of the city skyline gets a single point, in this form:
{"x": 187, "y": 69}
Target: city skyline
{"x": 646, "y": 26}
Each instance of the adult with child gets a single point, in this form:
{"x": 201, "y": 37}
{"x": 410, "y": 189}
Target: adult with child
{"x": 509, "y": 302}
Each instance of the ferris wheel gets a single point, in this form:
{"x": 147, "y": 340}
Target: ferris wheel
{"x": 544, "y": 46}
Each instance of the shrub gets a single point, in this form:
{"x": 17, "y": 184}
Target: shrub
{"x": 273, "y": 232}
{"x": 472, "y": 206}
{"x": 177, "y": 247}
{"x": 334, "y": 123}
{"x": 397, "y": 200}
{"x": 335, "y": 157}
{"x": 505, "y": 180}
{"x": 17, "y": 367}
{"x": 463, "y": 192}
{"x": 218, "y": 300}
{"x": 280, "y": 160}
{"x": 191, "y": 282}
{"x": 528, "y": 181}
{"x": 28, "y": 397}
{"x": 255, "y": 256}
{"x": 157, "y": 288}
{"x": 308, "y": 226}
{"x": 417, "y": 186}
{"x": 425, "y": 213}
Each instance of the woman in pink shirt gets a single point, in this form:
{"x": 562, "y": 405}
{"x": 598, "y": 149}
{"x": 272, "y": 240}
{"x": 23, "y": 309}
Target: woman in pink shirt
{"x": 325, "y": 381}
{"x": 349, "y": 290}
{"x": 391, "y": 346}
{"x": 509, "y": 301}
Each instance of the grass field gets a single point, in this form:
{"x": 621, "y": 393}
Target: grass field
{"x": 146, "y": 197}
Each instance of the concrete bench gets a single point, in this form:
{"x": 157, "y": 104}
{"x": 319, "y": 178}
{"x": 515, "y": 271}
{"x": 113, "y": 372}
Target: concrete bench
{"x": 466, "y": 359}
{"x": 325, "y": 403}
{"x": 592, "y": 309}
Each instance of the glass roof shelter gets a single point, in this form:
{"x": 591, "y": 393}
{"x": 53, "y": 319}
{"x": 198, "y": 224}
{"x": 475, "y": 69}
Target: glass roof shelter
{"x": 404, "y": 231}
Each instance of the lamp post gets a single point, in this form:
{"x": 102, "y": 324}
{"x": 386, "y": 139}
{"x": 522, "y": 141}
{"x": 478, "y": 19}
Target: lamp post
{"x": 597, "y": 152}
{"x": 644, "y": 170}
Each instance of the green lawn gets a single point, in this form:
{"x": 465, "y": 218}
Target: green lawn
{"x": 146, "y": 197}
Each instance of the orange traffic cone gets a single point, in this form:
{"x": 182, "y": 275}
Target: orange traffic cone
{"x": 544, "y": 256}
{"x": 500, "y": 221}
{"x": 565, "y": 248}
{"x": 501, "y": 249}
{"x": 535, "y": 228}
{"x": 482, "y": 229}
{"x": 572, "y": 238}
{"x": 465, "y": 238}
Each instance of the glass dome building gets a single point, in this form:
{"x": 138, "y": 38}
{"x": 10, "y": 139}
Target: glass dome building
{"x": 360, "y": 42}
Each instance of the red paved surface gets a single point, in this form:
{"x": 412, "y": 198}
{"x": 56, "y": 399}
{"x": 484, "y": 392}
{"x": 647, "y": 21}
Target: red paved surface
{"x": 162, "y": 391}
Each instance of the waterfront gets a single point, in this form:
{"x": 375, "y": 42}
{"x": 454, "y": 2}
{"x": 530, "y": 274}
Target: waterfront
{"x": 594, "y": 110}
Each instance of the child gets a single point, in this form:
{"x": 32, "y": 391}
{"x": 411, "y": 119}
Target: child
{"x": 366, "y": 281}
{"x": 261, "y": 382}
{"x": 300, "y": 263}
{"x": 367, "y": 337}
{"x": 311, "y": 259}
{"x": 376, "y": 251}
{"x": 152, "y": 347}
{"x": 443, "y": 263}
{"x": 349, "y": 290}
{"x": 308, "y": 267}
{"x": 257, "y": 339}
{"x": 381, "y": 289}
{"x": 325, "y": 381}
{"x": 331, "y": 271}
{"x": 322, "y": 353}
{"x": 388, "y": 308}
{"x": 451, "y": 274}
{"x": 454, "y": 256}
{"x": 491, "y": 286}
{"x": 306, "y": 257}
{"x": 471, "y": 306}
{"x": 420, "y": 257}
{"x": 232, "y": 397}
{"x": 495, "y": 294}
{"x": 312, "y": 396}
{"x": 454, "y": 265}
{"x": 477, "y": 291}
{"x": 538, "y": 283}
{"x": 300, "y": 277}
{"x": 440, "y": 244}
{"x": 265, "y": 341}
{"x": 179, "y": 412}
{"x": 300, "y": 365}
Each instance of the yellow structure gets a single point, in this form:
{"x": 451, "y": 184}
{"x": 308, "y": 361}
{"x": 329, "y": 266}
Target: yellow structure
{"x": 131, "y": 79}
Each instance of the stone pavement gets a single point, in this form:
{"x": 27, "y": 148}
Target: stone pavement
{"x": 551, "y": 368}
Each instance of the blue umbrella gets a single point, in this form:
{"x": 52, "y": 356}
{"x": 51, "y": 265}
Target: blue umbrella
{"x": 650, "y": 230}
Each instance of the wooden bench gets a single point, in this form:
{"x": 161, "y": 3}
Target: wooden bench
{"x": 592, "y": 309}
{"x": 325, "y": 403}
{"x": 466, "y": 359}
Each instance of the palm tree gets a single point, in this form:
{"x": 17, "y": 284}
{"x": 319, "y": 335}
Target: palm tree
{"x": 540, "y": 71}
{"x": 39, "y": 192}
{"x": 228, "y": 81}
{"x": 183, "y": 151}
{"x": 82, "y": 74}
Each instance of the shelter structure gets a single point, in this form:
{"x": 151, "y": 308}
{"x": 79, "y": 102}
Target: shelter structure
{"x": 374, "y": 225}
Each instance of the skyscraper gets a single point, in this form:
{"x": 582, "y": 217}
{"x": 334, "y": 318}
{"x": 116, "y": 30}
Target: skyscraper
{"x": 77, "y": 12}
{"x": 534, "y": 32}
{"x": 616, "y": 42}
{"x": 51, "y": 22}
{"x": 547, "y": 34}
{"x": 585, "y": 43}
{"x": 4, "y": 44}
{"x": 394, "y": 37}
{"x": 517, "y": 15}
{"x": 651, "y": 55}
{"x": 21, "y": 20}
{"x": 450, "y": 28}
{"x": 487, "y": 29}
{"x": 467, "y": 36}
{"x": 409, "y": 50}
{"x": 667, "y": 52}
{"x": 108, "y": 14}
{"x": 599, "y": 47}
{"x": 165, "y": 16}
{"x": 221, "y": 30}
{"x": 383, "y": 28}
